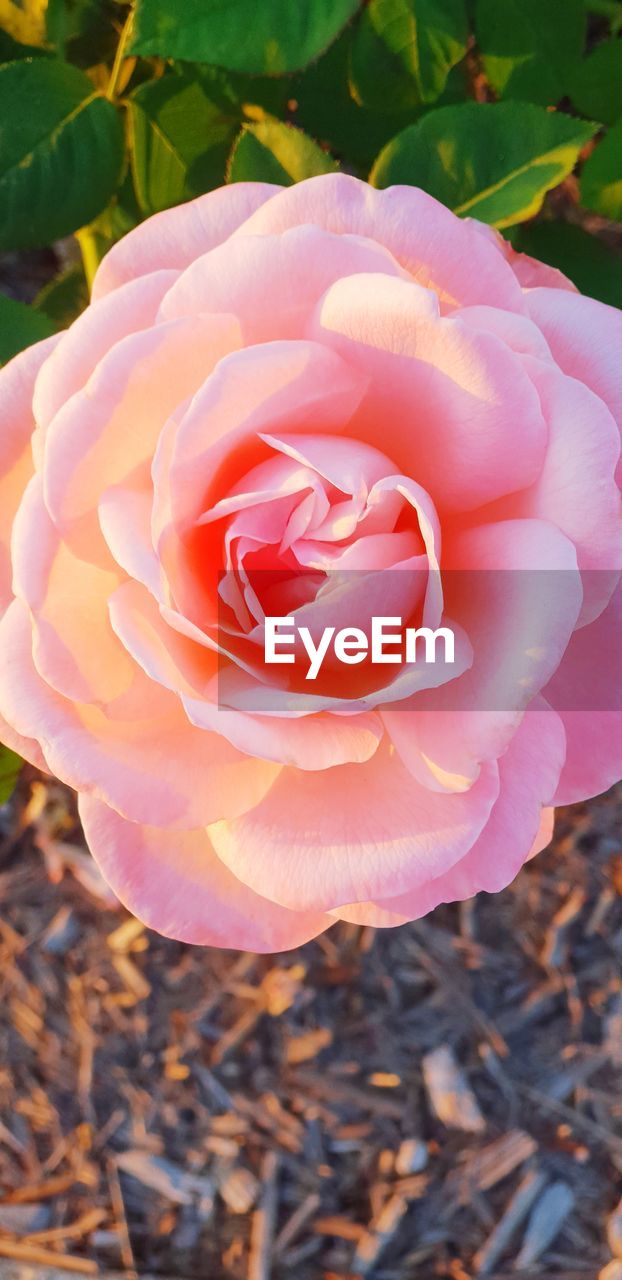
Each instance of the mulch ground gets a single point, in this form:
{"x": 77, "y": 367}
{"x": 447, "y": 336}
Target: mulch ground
{"x": 437, "y": 1100}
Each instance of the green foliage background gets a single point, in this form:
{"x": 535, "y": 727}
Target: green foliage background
{"x": 506, "y": 110}
{"x": 110, "y": 112}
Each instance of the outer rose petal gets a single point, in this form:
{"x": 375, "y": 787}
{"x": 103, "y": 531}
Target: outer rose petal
{"x": 585, "y": 338}
{"x": 589, "y": 677}
{"x": 175, "y": 237}
{"x": 576, "y": 489}
{"x": 90, "y": 337}
{"x": 528, "y": 271}
{"x": 110, "y": 429}
{"x": 528, "y": 771}
{"x": 159, "y": 770}
{"x": 174, "y": 883}
{"x": 26, "y": 747}
{"x": 74, "y": 647}
{"x": 16, "y": 467}
{"x": 440, "y": 251}
{"x": 317, "y": 840}
{"x": 532, "y": 274}
{"x": 272, "y": 283}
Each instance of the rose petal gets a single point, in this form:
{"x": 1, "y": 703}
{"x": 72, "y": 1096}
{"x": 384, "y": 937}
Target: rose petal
{"x": 315, "y": 742}
{"x": 318, "y": 840}
{"x": 586, "y": 691}
{"x": 159, "y": 770}
{"x": 585, "y": 338}
{"x": 17, "y": 379}
{"x": 89, "y": 339}
{"x": 74, "y": 647}
{"x": 441, "y": 252}
{"x": 177, "y": 236}
{"x": 448, "y": 397}
{"x": 292, "y": 270}
{"x": 294, "y": 385}
{"x": 25, "y": 747}
{"x": 109, "y": 430}
{"x": 174, "y": 883}
{"x": 576, "y": 489}
{"x": 515, "y": 590}
{"x": 528, "y": 773}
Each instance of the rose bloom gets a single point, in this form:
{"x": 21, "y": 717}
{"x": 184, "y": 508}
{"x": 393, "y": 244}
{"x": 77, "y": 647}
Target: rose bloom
{"x": 307, "y": 380}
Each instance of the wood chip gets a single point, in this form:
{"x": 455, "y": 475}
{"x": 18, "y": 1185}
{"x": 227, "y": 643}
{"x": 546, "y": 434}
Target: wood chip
{"x": 280, "y": 988}
{"x": 612, "y": 1041}
{"x": 127, "y": 936}
{"x": 380, "y": 1233}
{"x": 515, "y": 1213}
{"x": 36, "y": 1254}
{"x": 342, "y": 1228}
{"x": 450, "y": 1095}
{"x": 76, "y": 1230}
{"x": 556, "y": 944}
{"x": 264, "y": 1221}
{"x": 295, "y": 1223}
{"x": 239, "y": 1190}
{"x": 613, "y": 1270}
{"x": 545, "y": 1223}
{"x": 614, "y": 1231}
{"x": 307, "y": 1046}
{"x": 483, "y": 1169}
{"x": 169, "y": 1180}
{"x": 412, "y": 1157}
{"x": 23, "y": 1219}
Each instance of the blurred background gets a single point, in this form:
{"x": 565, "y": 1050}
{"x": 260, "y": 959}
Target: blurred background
{"x": 440, "y": 1100}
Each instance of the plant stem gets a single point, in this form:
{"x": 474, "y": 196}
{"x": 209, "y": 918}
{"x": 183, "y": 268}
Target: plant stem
{"x": 88, "y": 241}
{"x": 115, "y": 74}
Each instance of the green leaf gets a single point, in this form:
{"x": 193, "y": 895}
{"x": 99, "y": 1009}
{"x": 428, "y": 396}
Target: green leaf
{"x": 609, "y": 10}
{"x": 275, "y": 152}
{"x": 596, "y": 88}
{"x": 24, "y": 20}
{"x": 63, "y": 298}
{"x": 11, "y": 49}
{"x": 121, "y": 215}
{"x": 180, "y": 141}
{"x": 601, "y": 179}
{"x": 259, "y": 36}
{"x": 89, "y": 33}
{"x": 20, "y": 326}
{"x": 326, "y": 109}
{"x": 10, "y": 766}
{"x": 586, "y": 260}
{"x": 491, "y": 161}
{"x": 61, "y": 152}
{"x": 234, "y": 92}
{"x": 403, "y": 50}
{"x": 529, "y": 47}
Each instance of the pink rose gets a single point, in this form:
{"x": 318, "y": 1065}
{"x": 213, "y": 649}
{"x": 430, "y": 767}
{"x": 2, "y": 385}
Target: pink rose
{"x": 326, "y": 377}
